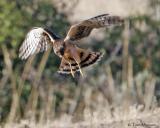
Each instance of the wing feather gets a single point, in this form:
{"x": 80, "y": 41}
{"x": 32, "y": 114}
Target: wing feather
{"x": 84, "y": 28}
{"x": 37, "y": 40}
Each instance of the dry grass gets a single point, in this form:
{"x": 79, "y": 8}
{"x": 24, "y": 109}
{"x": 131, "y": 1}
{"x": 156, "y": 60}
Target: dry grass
{"x": 103, "y": 106}
{"x": 97, "y": 102}
{"x": 98, "y": 119}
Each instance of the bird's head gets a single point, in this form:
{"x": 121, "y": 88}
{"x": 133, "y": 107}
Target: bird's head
{"x": 59, "y": 47}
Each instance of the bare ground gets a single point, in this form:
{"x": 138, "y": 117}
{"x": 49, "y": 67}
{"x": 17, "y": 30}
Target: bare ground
{"x": 148, "y": 119}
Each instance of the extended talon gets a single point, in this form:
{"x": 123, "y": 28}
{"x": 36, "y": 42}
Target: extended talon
{"x": 80, "y": 69}
{"x": 71, "y": 69}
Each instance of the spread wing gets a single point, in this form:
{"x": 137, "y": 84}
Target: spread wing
{"x": 37, "y": 40}
{"x": 84, "y": 28}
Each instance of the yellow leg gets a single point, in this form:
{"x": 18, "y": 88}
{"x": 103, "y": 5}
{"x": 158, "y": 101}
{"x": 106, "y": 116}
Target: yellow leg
{"x": 80, "y": 69}
{"x": 75, "y": 54}
{"x": 71, "y": 69}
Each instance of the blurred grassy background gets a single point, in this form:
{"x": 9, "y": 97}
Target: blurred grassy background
{"x": 126, "y": 82}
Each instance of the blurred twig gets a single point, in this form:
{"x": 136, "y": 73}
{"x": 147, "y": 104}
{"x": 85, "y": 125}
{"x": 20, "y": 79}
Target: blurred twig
{"x": 113, "y": 55}
{"x": 125, "y": 52}
{"x": 8, "y": 64}
{"x": 33, "y": 98}
{"x": 149, "y": 92}
{"x": 127, "y": 66}
{"x": 26, "y": 70}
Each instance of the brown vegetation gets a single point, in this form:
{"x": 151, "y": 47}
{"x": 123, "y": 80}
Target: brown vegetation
{"x": 119, "y": 92}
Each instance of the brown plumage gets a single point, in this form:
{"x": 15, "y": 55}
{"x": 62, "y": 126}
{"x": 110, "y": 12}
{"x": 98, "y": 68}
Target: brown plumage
{"x": 73, "y": 58}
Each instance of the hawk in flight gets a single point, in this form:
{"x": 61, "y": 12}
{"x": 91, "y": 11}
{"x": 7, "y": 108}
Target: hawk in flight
{"x": 72, "y": 57}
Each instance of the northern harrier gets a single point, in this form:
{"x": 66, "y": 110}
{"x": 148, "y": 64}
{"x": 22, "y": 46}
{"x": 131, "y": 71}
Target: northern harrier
{"x": 72, "y": 57}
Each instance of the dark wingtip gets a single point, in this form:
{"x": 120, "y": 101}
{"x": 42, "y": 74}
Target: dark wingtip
{"x": 51, "y": 33}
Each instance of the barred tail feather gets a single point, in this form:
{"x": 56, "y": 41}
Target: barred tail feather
{"x": 87, "y": 59}
{"x": 92, "y": 58}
